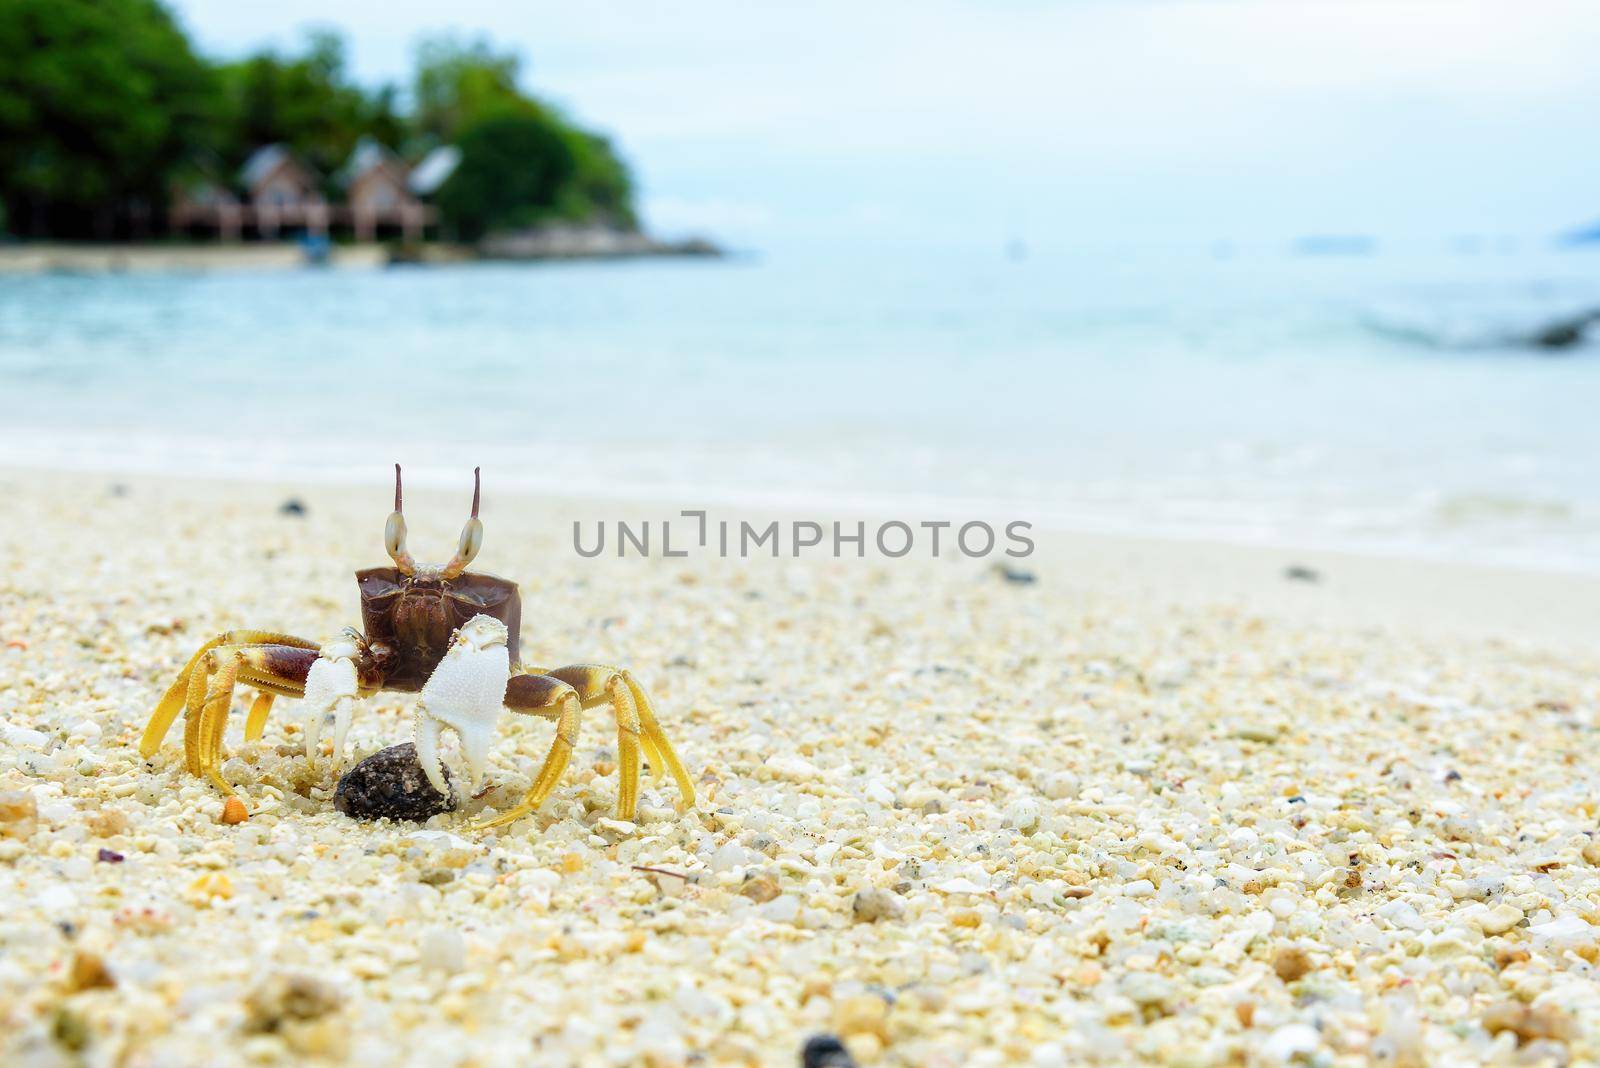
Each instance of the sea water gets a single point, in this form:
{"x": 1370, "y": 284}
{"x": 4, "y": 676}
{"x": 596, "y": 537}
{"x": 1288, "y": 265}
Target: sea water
{"x": 1380, "y": 399}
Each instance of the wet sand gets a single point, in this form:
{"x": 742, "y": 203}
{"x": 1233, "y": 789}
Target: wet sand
{"x": 50, "y": 258}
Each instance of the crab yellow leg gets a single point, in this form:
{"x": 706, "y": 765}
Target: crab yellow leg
{"x": 256, "y": 722}
{"x": 596, "y": 685}
{"x": 656, "y": 737}
{"x": 172, "y": 702}
{"x": 542, "y": 696}
{"x": 272, "y": 669}
{"x": 199, "y": 677}
{"x": 554, "y": 765}
{"x": 652, "y": 756}
{"x": 214, "y": 719}
{"x": 627, "y": 748}
{"x": 555, "y": 762}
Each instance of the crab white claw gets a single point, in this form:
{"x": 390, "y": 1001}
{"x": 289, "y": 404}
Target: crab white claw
{"x": 331, "y": 687}
{"x": 465, "y": 692}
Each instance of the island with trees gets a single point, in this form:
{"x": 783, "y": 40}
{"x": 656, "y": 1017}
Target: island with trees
{"x": 115, "y": 131}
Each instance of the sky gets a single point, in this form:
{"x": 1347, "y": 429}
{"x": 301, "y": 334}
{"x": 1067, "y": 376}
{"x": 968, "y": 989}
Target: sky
{"x": 1090, "y": 121}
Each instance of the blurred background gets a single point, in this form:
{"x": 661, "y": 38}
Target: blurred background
{"x": 1322, "y": 274}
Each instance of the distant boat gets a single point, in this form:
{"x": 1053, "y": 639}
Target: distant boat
{"x": 1335, "y": 245}
{"x": 1588, "y": 235}
{"x": 1554, "y": 335}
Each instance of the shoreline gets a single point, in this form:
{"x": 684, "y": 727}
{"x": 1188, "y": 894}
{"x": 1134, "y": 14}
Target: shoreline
{"x": 94, "y": 259}
{"x": 1298, "y": 582}
{"x": 561, "y": 246}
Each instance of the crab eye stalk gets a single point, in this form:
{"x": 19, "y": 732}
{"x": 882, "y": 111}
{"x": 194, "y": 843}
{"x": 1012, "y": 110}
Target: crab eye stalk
{"x": 471, "y": 535}
{"x": 394, "y": 533}
{"x": 394, "y": 539}
{"x": 467, "y": 551}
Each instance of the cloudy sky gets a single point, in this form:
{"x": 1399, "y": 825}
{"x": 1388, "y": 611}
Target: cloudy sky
{"x": 1144, "y": 119}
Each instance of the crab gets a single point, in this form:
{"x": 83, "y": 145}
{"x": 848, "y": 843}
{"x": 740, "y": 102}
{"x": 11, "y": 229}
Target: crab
{"x": 440, "y": 631}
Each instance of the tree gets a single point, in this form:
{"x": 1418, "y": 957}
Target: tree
{"x": 513, "y": 170}
{"x": 461, "y": 87}
{"x": 601, "y": 188}
{"x": 305, "y": 102}
{"x": 101, "y": 101}
{"x": 459, "y": 84}
{"x": 104, "y": 108}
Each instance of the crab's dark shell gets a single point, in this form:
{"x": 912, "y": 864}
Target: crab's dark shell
{"x": 415, "y": 615}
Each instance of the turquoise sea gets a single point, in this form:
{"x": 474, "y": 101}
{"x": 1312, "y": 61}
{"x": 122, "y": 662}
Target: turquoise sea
{"x": 1372, "y": 399}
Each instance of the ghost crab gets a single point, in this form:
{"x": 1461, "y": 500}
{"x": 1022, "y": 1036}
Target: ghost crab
{"x": 437, "y": 630}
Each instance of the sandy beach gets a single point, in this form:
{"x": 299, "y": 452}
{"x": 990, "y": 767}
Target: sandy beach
{"x": 61, "y": 258}
{"x": 1164, "y": 804}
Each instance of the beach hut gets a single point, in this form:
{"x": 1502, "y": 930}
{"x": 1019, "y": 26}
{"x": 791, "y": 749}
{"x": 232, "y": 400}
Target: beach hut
{"x": 378, "y": 193}
{"x": 206, "y": 204}
{"x": 283, "y": 192}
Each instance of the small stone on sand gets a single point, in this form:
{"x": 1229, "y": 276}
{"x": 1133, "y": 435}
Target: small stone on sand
{"x": 285, "y": 998}
{"x": 1291, "y": 963}
{"x": 89, "y": 973}
{"x": 760, "y": 889}
{"x": 825, "y": 1051}
{"x": 19, "y": 814}
{"x": 872, "y": 904}
{"x": 1529, "y": 1023}
{"x": 390, "y": 784}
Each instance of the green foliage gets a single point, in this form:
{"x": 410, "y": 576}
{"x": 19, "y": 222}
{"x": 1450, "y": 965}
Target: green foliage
{"x": 304, "y": 102}
{"x": 463, "y": 87}
{"x": 514, "y": 168}
{"x": 459, "y": 84}
{"x": 101, "y": 101}
{"x": 466, "y": 93}
{"x": 601, "y": 188}
{"x": 104, "y": 106}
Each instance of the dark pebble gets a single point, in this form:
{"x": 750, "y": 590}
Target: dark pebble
{"x": 825, "y": 1051}
{"x": 1301, "y": 573}
{"x": 110, "y": 856}
{"x": 390, "y": 784}
{"x": 69, "y": 1029}
{"x": 293, "y": 506}
{"x": 1015, "y": 575}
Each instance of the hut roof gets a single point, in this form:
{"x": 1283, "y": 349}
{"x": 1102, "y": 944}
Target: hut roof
{"x": 263, "y": 161}
{"x": 370, "y": 154}
{"x": 434, "y": 170}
